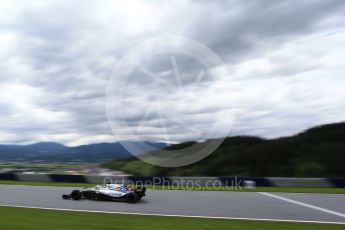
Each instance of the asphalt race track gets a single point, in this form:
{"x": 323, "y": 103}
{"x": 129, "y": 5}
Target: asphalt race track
{"x": 251, "y": 205}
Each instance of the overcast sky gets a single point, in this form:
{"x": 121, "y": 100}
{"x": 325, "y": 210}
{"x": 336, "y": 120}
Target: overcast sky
{"x": 286, "y": 62}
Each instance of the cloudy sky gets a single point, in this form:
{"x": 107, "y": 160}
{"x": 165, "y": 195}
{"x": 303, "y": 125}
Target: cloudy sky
{"x": 285, "y": 61}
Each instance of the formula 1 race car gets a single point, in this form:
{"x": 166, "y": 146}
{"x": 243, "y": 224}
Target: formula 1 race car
{"x": 108, "y": 192}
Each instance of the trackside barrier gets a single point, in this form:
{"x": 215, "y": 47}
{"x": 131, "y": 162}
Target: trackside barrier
{"x": 232, "y": 181}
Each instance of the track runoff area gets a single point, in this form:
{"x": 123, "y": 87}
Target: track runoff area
{"x": 287, "y": 207}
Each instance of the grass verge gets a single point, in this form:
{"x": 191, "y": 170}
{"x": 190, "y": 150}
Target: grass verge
{"x": 160, "y": 187}
{"x": 36, "y": 219}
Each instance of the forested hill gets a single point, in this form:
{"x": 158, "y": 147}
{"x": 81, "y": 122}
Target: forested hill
{"x": 54, "y": 152}
{"x": 316, "y": 152}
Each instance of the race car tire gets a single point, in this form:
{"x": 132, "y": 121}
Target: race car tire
{"x": 76, "y": 195}
{"x": 140, "y": 191}
{"x": 132, "y": 198}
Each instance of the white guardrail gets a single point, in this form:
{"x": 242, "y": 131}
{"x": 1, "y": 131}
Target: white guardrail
{"x": 233, "y": 181}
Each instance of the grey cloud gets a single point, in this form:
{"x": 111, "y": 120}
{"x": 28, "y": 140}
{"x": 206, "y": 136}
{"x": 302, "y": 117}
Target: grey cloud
{"x": 66, "y": 51}
{"x": 234, "y": 30}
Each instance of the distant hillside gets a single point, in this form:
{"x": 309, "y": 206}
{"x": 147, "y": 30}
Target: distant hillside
{"x": 49, "y": 151}
{"x": 316, "y": 152}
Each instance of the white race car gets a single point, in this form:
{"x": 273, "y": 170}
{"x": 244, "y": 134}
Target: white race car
{"x": 108, "y": 192}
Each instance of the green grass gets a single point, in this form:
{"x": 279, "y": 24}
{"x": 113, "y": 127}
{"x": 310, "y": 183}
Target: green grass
{"x": 36, "y": 219}
{"x": 46, "y": 183}
{"x": 159, "y": 187}
{"x": 52, "y": 168}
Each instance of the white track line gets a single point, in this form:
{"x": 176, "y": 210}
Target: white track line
{"x": 303, "y": 204}
{"x": 182, "y": 216}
